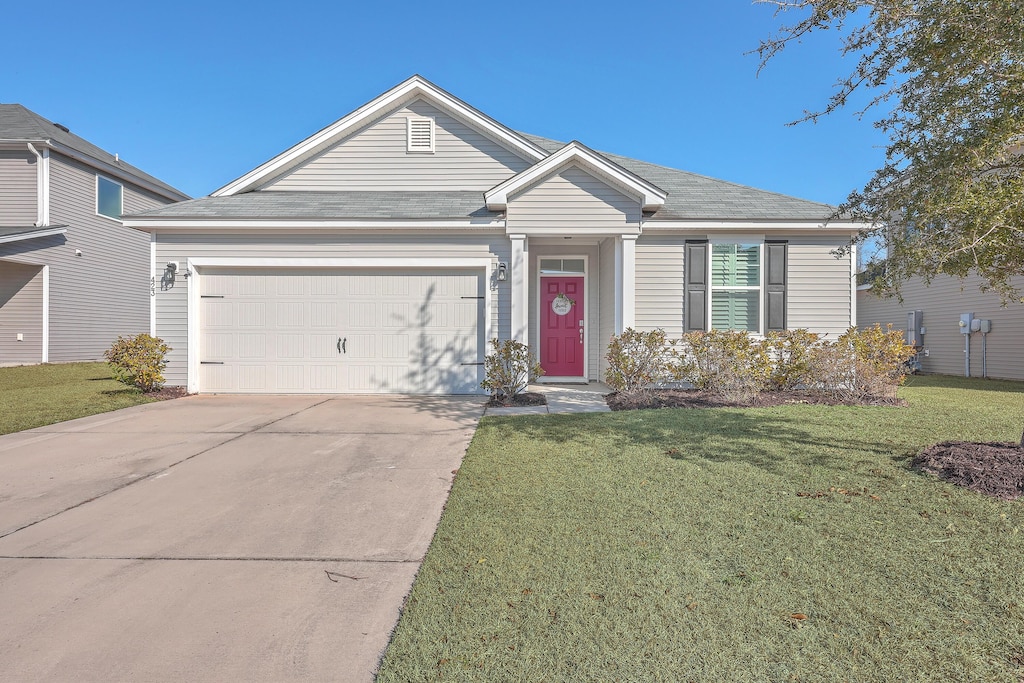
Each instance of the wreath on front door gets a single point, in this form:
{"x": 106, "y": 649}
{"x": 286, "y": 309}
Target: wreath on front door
{"x": 562, "y": 304}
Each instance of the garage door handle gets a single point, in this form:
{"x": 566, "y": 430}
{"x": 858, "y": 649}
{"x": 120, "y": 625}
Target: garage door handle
{"x": 341, "y": 344}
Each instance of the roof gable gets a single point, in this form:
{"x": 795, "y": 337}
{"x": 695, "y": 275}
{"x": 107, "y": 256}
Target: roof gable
{"x": 410, "y": 90}
{"x": 576, "y": 154}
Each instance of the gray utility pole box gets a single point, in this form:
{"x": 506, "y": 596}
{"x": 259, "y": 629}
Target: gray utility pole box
{"x": 986, "y": 326}
{"x": 914, "y": 332}
{"x": 965, "y": 322}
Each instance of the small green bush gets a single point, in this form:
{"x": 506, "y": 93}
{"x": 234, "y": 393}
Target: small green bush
{"x": 637, "y": 360}
{"x": 791, "y": 352}
{"x": 731, "y": 364}
{"x": 509, "y": 368}
{"x": 138, "y": 361}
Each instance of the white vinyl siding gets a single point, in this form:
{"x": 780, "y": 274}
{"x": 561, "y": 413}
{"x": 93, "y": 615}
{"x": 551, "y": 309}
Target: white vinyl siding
{"x": 273, "y": 330}
{"x": 21, "y": 312}
{"x": 572, "y": 200}
{"x": 377, "y": 158}
{"x": 18, "y": 197}
{"x": 659, "y": 284}
{"x": 172, "y": 296}
{"x": 736, "y": 287}
{"x": 942, "y": 303}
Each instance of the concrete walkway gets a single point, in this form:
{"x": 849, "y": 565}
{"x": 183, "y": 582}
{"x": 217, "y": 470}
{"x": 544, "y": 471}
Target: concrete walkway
{"x": 220, "y": 538}
{"x": 563, "y": 398}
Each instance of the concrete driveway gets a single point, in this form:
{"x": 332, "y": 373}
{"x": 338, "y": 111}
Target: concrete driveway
{"x": 220, "y": 537}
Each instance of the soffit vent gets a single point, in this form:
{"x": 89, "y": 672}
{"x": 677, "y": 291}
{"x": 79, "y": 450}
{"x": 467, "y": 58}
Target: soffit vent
{"x": 421, "y": 135}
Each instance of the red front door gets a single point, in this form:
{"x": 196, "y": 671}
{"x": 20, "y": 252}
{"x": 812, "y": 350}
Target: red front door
{"x": 561, "y": 326}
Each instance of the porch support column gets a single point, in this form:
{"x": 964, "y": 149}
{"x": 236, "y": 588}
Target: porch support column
{"x": 625, "y": 282}
{"x": 519, "y": 282}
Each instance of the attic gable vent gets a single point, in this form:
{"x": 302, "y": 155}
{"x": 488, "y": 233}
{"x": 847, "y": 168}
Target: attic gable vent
{"x": 421, "y": 135}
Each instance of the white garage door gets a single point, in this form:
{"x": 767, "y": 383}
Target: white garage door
{"x": 341, "y": 331}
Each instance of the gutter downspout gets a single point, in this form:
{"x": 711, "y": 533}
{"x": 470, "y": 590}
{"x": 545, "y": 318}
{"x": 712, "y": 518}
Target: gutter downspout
{"x": 42, "y": 185}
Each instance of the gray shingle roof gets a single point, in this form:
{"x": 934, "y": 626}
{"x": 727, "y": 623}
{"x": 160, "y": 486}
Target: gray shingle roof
{"x": 20, "y": 123}
{"x": 695, "y": 197}
{"x": 343, "y": 205}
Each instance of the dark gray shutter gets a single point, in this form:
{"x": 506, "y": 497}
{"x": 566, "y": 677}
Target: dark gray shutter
{"x": 695, "y": 292}
{"x": 775, "y": 256}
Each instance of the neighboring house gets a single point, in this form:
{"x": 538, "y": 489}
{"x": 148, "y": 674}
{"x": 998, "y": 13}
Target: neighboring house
{"x": 944, "y": 344}
{"x": 383, "y": 252}
{"x": 72, "y": 277}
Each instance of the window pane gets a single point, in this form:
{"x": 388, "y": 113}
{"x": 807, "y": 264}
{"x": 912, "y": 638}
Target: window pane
{"x": 108, "y": 198}
{"x": 551, "y": 265}
{"x": 572, "y": 265}
{"x": 735, "y": 310}
{"x": 735, "y": 265}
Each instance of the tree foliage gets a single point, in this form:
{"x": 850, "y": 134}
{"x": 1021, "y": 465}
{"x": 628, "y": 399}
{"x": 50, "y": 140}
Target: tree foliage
{"x": 946, "y": 82}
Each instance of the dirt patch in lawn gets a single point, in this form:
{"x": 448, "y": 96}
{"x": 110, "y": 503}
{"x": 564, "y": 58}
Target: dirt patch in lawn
{"x": 167, "y": 393}
{"x": 995, "y": 468}
{"x": 691, "y": 398}
{"x": 527, "y": 398}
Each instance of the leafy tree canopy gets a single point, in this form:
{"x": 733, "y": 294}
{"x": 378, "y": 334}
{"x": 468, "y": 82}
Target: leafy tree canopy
{"x": 946, "y": 81}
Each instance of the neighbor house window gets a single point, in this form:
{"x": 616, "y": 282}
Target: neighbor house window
{"x": 736, "y": 287}
{"x": 109, "y": 198}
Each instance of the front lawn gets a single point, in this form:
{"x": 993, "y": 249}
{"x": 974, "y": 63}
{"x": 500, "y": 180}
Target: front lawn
{"x": 772, "y": 544}
{"x": 37, "y": 395}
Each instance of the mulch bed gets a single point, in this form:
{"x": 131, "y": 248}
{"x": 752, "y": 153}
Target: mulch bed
{"x": 995, "y": 468}
{"x": 167, "y": 393}
{"x": 527, "y": 398}
{"x": 691, "y": 398}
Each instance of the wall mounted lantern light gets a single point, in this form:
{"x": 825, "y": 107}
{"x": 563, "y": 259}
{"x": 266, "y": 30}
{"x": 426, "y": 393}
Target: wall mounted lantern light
{"x": 502, "y": 273}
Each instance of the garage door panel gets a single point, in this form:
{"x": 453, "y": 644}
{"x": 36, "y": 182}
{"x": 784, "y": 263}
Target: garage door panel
{"x": 403, "y": 332}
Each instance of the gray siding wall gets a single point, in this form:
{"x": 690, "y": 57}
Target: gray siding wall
{"x": 572, "y": 200}
{"x": 21, "y": 311}
{"x": 659, "y": 284}
{"x": 104, "y": 292}
{"x": 607, "y": 326}
{"x": 818, "y": 295}
{"x": 593, "y": 301}
{"x": 942, "y": 303}
{"x": 375, "y": 158}
{"x": 18, "y": 200}
{"x": 172, "y": 297}
{"x": 819, "y": 292}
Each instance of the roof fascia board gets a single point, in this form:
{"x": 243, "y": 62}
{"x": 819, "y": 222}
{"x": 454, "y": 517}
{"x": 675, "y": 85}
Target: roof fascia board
{"x": 233, "y": 224}
{"x": 32, "y": 235}
{"x": 110, "y": 169}
{"x": 408, "y": 90}
{"x": 651, "y": 196}
{"x": 832, "y": 226}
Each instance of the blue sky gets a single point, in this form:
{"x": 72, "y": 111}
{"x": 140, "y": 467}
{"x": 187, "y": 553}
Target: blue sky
{"x": 199, "y": 93}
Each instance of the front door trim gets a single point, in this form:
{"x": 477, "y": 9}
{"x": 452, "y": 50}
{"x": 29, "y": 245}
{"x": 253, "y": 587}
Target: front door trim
{"x": 538, "y": 297}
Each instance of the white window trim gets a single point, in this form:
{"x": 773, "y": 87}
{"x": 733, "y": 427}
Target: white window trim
{"x": 409, "y": 121}
{"x": 739, "y": 239}
{"x": 97, "y": 207}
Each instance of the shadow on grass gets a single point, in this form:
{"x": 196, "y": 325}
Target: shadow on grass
{"x": 759, "y": 438}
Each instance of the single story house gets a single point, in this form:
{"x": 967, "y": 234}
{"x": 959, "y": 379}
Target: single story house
{"x": 382, "y": 253}
{"x": 932, "y": 313}
{"x": 72, "y": 277}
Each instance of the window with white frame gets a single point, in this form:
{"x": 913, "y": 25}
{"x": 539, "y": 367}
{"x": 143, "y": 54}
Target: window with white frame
{"x": 109, "y": 198}
{"x": 736, "y": 286}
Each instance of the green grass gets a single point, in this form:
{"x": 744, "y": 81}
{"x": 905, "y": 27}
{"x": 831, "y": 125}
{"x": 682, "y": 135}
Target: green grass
{"x": 38, "y": 395}
{"x": 671, "y": 545}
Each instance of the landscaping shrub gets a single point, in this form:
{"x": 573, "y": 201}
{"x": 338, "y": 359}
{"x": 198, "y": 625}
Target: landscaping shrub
{"x": 791, "y": 353}
{"x": 508, "y": 369}
{"x": 731, "y": 364}
{"x": 138, "y": 361}
{"x": 637, "y": 361}
{"x": 863, "y": 364}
